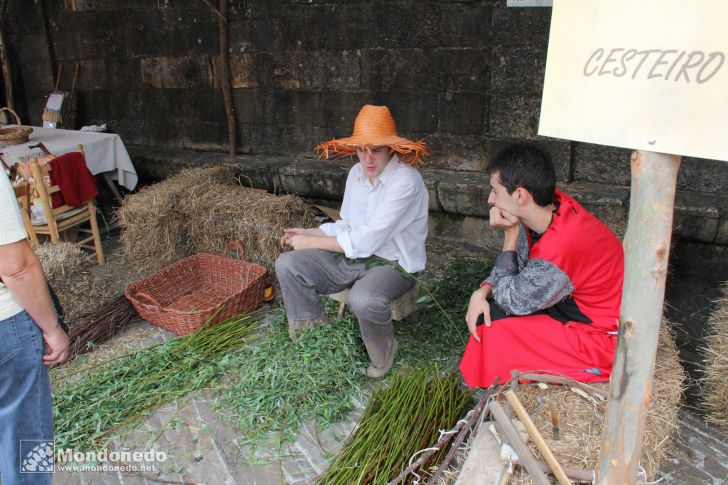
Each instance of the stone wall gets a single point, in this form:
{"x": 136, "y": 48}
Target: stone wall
{"x": 464, "y": 75}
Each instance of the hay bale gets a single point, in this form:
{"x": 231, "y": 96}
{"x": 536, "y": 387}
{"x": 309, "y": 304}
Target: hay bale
{"x": 224, "y": 213}
{"x": 153, "y": 227}
{"x": 80, "y": 283}
{"x": 61, "y": 261}
{"x": 581, "y": 418}
{"x": 714, "y": 386}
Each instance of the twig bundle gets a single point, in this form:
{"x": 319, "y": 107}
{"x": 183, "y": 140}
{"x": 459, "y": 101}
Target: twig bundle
{"x": 399, "y": 421}
{"x": 581, "y": 415}
{"x": 714, "y": 384}
{"x": 100, "y": 325}
{"x": 119, "y": 392}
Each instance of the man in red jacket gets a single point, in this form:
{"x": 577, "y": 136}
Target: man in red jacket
{"x": 551, "y": 302}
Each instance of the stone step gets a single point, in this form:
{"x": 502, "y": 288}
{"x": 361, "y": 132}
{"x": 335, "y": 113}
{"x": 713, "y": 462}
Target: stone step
{"x": 701, "y": 217}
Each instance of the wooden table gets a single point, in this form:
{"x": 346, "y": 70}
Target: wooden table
{"x": 105, "y": 153}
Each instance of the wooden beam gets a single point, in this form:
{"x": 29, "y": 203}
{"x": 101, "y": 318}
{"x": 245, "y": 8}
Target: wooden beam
{"x": 538, "y": 440}
{"x": 647, "y": 250}
{"x": 509, "y": 433}
{"x": 225, "y": 80}
{"x": 4, "y": 58}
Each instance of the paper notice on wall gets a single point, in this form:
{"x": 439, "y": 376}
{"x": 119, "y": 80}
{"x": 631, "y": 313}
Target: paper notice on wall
{"x": 529, "y": 3}
{"x": 649, "y": 75}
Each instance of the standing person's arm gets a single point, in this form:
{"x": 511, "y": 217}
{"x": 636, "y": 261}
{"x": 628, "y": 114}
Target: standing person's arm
{"x": 22, "y": 274}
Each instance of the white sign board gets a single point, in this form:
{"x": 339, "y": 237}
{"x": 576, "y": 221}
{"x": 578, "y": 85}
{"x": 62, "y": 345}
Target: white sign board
{"x": 649, "y": 75}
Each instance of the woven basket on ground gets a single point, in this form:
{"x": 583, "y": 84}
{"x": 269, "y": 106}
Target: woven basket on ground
{"x": 199, "y": 290}
{"x": 14, "y": 135}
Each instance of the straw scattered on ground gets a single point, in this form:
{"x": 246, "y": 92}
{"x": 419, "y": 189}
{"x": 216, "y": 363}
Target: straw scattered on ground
{"x": 714, "y": 386}
{"x": 581, "y": 417}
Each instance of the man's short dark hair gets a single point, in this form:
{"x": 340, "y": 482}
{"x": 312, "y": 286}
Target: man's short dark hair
{"x": 528, "y": 166}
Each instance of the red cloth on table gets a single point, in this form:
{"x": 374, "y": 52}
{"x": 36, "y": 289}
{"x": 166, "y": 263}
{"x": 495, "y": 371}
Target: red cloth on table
{"x": 73, "y": 177}
{"x": 589, "y": 253}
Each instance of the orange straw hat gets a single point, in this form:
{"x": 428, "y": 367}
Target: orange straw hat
{"x": 374, "y": 126}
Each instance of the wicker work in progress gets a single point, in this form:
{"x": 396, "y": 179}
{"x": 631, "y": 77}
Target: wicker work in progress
{"x": 199, "y": 290}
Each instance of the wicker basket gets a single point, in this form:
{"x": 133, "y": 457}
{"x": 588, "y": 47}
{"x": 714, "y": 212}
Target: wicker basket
{"x": 199, "y": 290}
{"x": 16, "y": 134}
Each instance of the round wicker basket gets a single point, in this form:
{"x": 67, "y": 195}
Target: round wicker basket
{"x": 14, "y": 135}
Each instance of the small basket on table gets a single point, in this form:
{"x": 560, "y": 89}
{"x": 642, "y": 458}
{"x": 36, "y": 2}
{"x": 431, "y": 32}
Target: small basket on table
{"x": 200, "y": 290}
{"x": 14, "y": 135}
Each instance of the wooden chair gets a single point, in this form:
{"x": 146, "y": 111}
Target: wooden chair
{"x": 403, "y": 307}
{"x": 23, "y": 194}
{"x": 58, "y": 221}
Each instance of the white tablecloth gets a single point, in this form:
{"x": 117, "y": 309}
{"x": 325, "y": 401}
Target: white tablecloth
{"x": 105, "y": 152}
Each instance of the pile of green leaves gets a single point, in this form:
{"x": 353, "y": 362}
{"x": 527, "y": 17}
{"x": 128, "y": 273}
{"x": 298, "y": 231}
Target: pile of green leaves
{"x": 121, "y": 391}
{"x": 440, "y": 332}
{"x": 399, "y": 421}
{"x": 283, "y": 382}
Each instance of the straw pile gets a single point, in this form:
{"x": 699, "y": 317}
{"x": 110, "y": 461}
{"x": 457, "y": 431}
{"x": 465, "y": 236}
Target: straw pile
{"x": 153, "y": 228}
{"x": 200, "y": 210}
{"x": 714, "y": 384}
{"x": 78, "y": 281}
{"x": 581, "y": 416}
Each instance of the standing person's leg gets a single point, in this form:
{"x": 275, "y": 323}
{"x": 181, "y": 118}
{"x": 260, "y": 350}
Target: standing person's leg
{"x": 370, "y": 300}
{"x": 305, "y": 275}
{"x": 25, "y": 403}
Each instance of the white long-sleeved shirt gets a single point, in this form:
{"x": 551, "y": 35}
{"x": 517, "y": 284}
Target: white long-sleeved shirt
{"x": 11, "y": 230}
{"x": 387, "y": 219}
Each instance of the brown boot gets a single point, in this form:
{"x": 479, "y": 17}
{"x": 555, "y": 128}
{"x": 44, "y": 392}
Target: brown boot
{"x": 378, "y": 371}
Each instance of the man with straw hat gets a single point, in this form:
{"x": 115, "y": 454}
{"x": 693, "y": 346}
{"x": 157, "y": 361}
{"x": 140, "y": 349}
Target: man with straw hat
{"x": 374, "y": 249}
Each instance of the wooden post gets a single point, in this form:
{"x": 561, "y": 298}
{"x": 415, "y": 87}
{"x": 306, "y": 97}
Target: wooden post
{"x": 647, "y": 248}
{"x": 225, "y": 79}
{"x": 4, "y": 59}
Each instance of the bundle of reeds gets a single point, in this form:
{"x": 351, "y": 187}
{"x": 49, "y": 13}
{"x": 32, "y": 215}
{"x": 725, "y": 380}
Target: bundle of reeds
{"x": 87, "y": 410}
{"x": 714, "y": 386}
{"x": 100, "y": 325}
{"x": 153, "y": 227}
{"x": 399, "y": 421}
{"x": 580, "y": 416}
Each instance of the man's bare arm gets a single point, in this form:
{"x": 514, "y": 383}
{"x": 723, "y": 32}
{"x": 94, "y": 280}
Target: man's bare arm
{"x": 22, "y": 274}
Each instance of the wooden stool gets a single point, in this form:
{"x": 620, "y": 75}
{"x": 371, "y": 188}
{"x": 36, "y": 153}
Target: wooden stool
{"x": 403, "y": 307}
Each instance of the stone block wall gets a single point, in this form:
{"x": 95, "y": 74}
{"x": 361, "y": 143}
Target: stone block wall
{"x": 465, "y": 75}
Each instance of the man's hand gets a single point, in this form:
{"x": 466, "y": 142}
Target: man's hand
{"x": 302, "y": 241}
{"x": 289, "y": 232}
{"x": 478, "y": 306}
{"x": 502, "y": 220}
{"x": 509, "y": 224}
{"x": 56, "y": 346}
